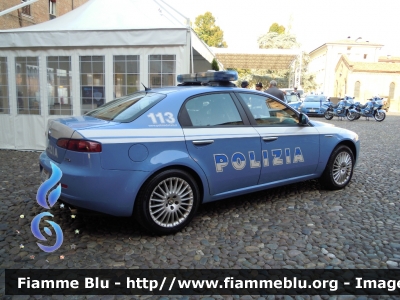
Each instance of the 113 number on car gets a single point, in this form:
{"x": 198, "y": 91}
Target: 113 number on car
{"x": 159, "y": 118}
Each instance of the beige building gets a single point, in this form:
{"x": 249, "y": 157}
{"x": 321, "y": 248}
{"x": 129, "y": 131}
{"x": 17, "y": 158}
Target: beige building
{"x": 364, "y": 80}
{"x": 324, "y": 59}
{"x": 35, "y": 13}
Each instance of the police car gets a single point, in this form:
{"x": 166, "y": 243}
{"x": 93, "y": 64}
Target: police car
{"x": 160, "y": 153}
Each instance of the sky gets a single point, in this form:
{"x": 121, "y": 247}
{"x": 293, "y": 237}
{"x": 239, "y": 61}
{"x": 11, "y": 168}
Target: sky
{"x": 313, "y": 22}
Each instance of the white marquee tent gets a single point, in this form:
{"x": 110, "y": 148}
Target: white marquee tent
{"x": 99, "y": 51}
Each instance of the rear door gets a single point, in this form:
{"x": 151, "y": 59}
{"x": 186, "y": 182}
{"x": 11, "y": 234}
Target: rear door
{"x": 221, "y": 140}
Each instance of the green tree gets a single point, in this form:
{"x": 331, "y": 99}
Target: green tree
{"x": 275, "y": 27}
{"x": 273, "y": 40}
{"x": 214, "y": 65}
{"x": 210, "y": 33}
{"x": 277, "y": 38}
{"x": 307, "y": 80}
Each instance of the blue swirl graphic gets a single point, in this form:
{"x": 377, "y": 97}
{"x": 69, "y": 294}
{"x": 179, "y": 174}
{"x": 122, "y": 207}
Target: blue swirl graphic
{"x": 47, "y": 185}
{"x": 44, "y": 188}
{"x": 36, "y": 232}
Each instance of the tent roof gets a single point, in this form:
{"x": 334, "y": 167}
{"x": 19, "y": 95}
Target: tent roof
{"x": 97, "y": 23}
{"x": 267, "y": 59}
{"x": 120, "y": 15}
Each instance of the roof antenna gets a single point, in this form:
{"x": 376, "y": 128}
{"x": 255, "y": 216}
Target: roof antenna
{"x": 146, "y": 88}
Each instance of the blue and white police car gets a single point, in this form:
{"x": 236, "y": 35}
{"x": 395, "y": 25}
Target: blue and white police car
{"x": 158, "y": 154}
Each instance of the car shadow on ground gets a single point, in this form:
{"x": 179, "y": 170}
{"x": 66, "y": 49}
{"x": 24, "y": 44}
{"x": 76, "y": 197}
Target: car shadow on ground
{"x": 99, "y": 225}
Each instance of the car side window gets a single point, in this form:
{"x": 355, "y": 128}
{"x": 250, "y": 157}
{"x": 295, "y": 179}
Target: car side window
{"x": 267, "y": 111}
{"x": 213, "y": 110}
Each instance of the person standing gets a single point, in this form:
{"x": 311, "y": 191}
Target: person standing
{"x": 295, "y": 92}
{"x": 259, "y": 86}
{"x": 245, "y": 84}
{"x": 274, "y": 91}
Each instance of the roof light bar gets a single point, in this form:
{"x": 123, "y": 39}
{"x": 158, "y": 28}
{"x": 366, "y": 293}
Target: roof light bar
{"x": 208, "y": 76}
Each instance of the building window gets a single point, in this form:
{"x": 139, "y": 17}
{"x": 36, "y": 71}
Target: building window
{"x": 357, "y": 87}
{"x": 27, "y": 81}
{"x": 391, "y": 90}
{"x": 26, "y": 10}
{"x": 162, "y": 70}
{"x": 4, "y": 102}
{"x": 92, "y": 82}
{"x": 59, "y": 85}
{"x": 126, "y": 74}
{"x": 52, "y": 7}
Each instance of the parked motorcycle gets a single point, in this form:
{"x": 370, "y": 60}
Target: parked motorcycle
{"x": 351, "y": 116}
{"x": 373, "y": 108}
{"x": 341, "y": 110}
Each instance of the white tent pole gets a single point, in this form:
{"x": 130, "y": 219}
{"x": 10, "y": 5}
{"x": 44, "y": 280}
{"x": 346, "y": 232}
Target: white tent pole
{"x": 301, "y": 61}
{"x": 169, "y": 12}
{"x": 191, "y": 50}
{"x": 16, "y": 7}
{"x": 189, "y": 29}
{"x": 176, "y": 12}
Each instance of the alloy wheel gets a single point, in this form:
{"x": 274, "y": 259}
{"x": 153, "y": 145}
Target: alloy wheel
{"x": 171, "y": 202}
{"x": 342, "y": 168}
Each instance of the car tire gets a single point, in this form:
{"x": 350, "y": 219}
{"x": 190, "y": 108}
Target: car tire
{"x": 339, "y": 169}
{"x": 167, "y": 202}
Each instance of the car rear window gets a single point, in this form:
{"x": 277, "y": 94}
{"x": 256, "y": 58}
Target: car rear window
{"x": 128, "y": 108}
{"x": 314, "y": 99}
{"x": 291, "y": 98}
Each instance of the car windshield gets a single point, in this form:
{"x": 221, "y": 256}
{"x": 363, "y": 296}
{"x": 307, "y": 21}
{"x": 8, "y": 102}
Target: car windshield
{"x": 128, "y": 108}
{"x": 291, "y": 98}
{"x": 314, "y": 99}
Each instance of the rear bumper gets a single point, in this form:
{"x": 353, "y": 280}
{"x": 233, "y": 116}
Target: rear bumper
{"x": 317, "y": 112}
{"x": 90, "y": 187}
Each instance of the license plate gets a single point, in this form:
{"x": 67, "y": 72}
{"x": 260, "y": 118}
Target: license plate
{"x": 312, "y": 110}
{"x": 44, "y": 175}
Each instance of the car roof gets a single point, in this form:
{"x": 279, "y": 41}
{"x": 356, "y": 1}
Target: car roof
{"x": 315, "y": 96}
{"x": 188, "y": 91}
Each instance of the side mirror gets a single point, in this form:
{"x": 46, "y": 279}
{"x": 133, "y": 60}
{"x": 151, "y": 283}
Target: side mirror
{"x": 303, "y": 119}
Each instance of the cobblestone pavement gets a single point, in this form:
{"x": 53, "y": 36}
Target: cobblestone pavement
{"x": 296, "y": 226}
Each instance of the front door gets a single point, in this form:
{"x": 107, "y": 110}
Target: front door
{"x": 289, "y": 150}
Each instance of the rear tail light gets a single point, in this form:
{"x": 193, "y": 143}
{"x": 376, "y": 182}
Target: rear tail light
{"x": 79, "y": 145}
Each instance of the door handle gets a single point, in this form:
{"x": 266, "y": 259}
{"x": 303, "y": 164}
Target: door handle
{"x": 269, "y": 138}
{"x": 203, "y": 142}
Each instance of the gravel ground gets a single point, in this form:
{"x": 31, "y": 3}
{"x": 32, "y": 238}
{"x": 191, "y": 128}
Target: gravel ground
{"x": 296, "y": 226}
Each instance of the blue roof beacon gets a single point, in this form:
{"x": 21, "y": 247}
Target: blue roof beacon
{"x": 222, "y": 77}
